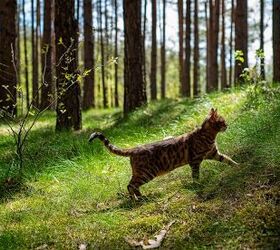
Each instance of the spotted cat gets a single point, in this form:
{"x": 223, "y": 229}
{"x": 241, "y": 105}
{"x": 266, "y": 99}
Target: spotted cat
{"x": 151, "y": 160}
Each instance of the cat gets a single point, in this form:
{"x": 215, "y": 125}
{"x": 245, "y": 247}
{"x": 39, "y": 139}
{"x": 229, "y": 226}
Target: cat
{"x": 151, "y": 160}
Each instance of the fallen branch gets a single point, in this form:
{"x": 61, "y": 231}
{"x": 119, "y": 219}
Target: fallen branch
{"x": 154, "y": 243}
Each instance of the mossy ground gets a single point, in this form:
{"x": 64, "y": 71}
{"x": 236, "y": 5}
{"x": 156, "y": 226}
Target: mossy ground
{"x": 75, "y": 192}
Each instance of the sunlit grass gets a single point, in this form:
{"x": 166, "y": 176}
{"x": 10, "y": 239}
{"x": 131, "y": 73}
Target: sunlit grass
{"x": 75, "y": 192}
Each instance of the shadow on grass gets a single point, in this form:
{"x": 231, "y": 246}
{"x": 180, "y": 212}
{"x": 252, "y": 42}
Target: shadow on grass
{"x": 125, "y": 203}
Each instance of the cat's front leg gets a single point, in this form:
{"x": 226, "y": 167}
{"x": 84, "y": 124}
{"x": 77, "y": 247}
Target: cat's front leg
{"x": 214, "y": 154}
{"x": 226, "y": 159}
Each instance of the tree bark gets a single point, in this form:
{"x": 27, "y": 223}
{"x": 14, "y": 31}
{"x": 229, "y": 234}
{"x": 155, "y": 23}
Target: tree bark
{"x": 88, "y": 97}
{"x": 25, "y": 55}
{"x": 46, "y": 91}
{"x": 163, "y": 52}
{"x": 78, "y": 29}
{"x": 276, "y": 40}
{"x": 207, "y": 41}
{"x": 116, "y": 93}
{"x": 212, "y": 67}
{"x": 153, "y": 76}
{"x": 8, "y": 71}
{"x": 231, "y": 43}
{"x": 261, "y": 37}
{"x": 181, "y": 46}
{"x": 187, "y": 63}
{"x": 68, "y": 90}
{"x": 37, "y": 48}
{"x": 104, "y": 85}
{"x": 196, "y": 65}
{"x": 223, "y": 50}
{"x": 134, "y": 87}
{"x": 144, "y": 41}
{"x": 18, "y": 43}
{"x": 241, "y": 37}
{"x": 35, "y": 96}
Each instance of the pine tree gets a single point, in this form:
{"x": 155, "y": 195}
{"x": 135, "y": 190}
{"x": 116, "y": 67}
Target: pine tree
{"x": 181, "y": 46}
{"x": 276, "y": 40}
{"x": 196, "y": 51}
{"x": 241, "y": 37}
{"x": 68, "y": 90}
{"x": 88, "y": 97}
{"x": 186, "y": 91}
{"x": 26, "y": 62}
{"x": 223, "y": 50}
{"x": 46, "y": 91}
{"x": 213, "y": 34}
{"x": 8, "y": 60}
{"x": 134, "y": 87}
{"x": 116, "y": 54}
{"x": 163, "y": 52}
{"x": 153, "y": 76}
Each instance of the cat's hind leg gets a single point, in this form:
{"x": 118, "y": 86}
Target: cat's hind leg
{"x": 195, "y": 171}
{"x": 133, "y": 188}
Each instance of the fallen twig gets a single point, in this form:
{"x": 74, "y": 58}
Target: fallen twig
{"x": 154, "y": 243}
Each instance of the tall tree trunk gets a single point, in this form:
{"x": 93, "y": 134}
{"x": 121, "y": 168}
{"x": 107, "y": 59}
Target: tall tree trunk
{"x": 104, "y": 86}
{"x": 261, "y": 37}
{"x": 241, "y": 36}
{"x": 38, "y": 46}
{"x": 68, "y": 90}
{"x": 162, "y": 51}
{"x": 207, "y": 21}
{"x": 53, "y": 56}
{"x": 153, "y": 76}
{"x": 78, "y": 21}
{"x": 106, "y": 49}
{"x": 181, "y": 46}
{"x": 134, "y": 87}
{"x": 78, "y": 12}
{"x": 231, "y": 43}
{"x": 116, "y": 94}
{"x": 223, "y": 50}
{"x": 8, "y": 71}
{"x": 46, "y": 91}
{"x": 88, "y": 97}
{"x": 212, "y": 83}
{"x": 35, "y": 96}
{"x": 196, "y": 51}
{"x": 187, "y": 63}
{"x": 276, "y": 40}
{"x": 18, "y": 44}
{"x": 144, "y": 41}
{"x": 25, "y": 54}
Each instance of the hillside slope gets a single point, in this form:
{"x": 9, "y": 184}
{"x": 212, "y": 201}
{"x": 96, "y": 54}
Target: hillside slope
{"x": 75, "y": 192}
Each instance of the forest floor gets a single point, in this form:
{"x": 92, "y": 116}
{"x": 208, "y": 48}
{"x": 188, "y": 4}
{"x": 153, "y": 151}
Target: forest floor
{"x": 75, "y": 192}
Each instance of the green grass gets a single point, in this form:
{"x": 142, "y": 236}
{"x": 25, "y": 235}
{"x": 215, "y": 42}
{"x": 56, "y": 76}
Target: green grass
{"x": 75, "y": 192}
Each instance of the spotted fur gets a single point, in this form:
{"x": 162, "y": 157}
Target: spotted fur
{"x": 151, "y": 160}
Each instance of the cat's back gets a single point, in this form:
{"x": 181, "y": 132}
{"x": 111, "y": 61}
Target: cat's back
{"x": 164, "y": 145}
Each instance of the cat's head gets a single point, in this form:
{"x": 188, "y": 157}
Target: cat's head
{"x": 215, "y": 121}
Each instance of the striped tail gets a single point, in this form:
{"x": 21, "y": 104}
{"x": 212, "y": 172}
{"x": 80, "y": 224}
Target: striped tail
{"x": 111, "y": 147}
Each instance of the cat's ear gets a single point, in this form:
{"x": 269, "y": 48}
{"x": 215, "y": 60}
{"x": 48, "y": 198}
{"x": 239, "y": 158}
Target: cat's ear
{"x": 213, "y": 113}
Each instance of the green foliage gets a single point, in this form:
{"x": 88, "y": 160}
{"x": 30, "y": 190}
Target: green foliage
{"x": 239, "y": 56}
{"x": 259, "y": 91}
{"x": 75, "y": 192}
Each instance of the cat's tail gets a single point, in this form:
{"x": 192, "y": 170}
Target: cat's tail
{"x": 111, "y": 147}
